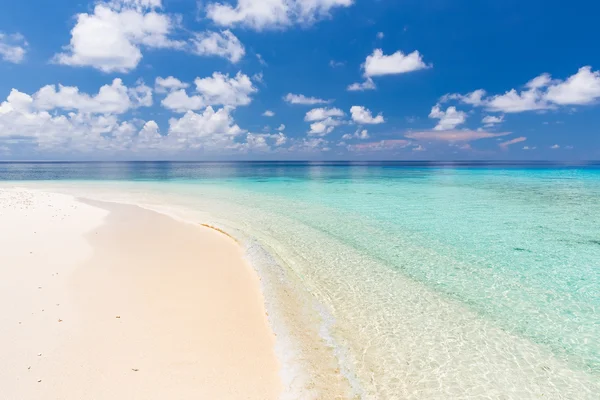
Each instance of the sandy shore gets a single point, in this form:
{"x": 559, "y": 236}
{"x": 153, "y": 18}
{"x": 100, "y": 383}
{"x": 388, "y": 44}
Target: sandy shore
{"x": 106, "y": 301}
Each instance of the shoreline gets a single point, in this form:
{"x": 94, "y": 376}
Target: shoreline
{"x": 144, "y": 310}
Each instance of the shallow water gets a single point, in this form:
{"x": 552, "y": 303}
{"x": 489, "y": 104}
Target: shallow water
{"x": 388, "y": 281}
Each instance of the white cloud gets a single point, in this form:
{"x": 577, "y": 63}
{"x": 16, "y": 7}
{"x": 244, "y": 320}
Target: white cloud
{"x": 380, "y": 35}
{"x": 539, "y": 82}
{"x": 579, "y": 89}
{"x": 213, "y": 128}
{"x": 90, "y": 130}
{"x": 474, "y": 98}
{"x": 261, "y": 60}
{"x": 554, "y": 147}
{"x": 362, "y": 134}
{"x": 219, "y": 89}
{"x": 301, "y": 99}
{"x": 180, "y": 101}
{"x": 318, "y": 114}
{"x": 168, "y": 84}
{"x": 280, "y": 139}
{"x": 449, "y": 119}
{"x": 272, "y": 14}
{"x": 361, "y": 115}
{"x": 222, "y": 44}
{"x": 20, "y": 119}
{"x": 13, "y": 47}
{"x": 491, "y": 120}
{"x": 368, "y": 84}
{"x": 336, "y": 64}
{"x": 268, "y": 113}
{"x": 263, "y": 141}
{"x": 258, "y": 77}
{"x": 378, "y": 64}
{"x": 419, "y": 148}
{"x": 115, "y": 98}
{"x": 281, "y": 127}
{"x": 324, "y": 127}
{"x": 110, "y": 39}
{"x": 541, "y": 93}
{"x": 515, "y": 102}
{"x": 310, "y": 145}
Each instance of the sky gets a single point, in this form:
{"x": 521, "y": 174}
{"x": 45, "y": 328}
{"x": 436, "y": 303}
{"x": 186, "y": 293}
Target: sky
{"x": 299, "y": 80}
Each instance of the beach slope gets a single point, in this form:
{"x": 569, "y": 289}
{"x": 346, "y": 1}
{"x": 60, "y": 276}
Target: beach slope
{"x": 110, "y": 301}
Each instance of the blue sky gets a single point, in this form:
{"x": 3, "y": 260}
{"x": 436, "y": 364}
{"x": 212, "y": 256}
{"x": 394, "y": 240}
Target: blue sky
{"x": 272, "y": 79}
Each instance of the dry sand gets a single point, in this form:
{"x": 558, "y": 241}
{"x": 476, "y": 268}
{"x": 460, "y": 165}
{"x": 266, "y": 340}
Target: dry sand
{"x": 107, "y": 301}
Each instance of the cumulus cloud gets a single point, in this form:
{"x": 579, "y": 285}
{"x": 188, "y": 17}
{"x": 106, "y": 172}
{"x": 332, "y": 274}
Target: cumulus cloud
{"x": 378, "y": 64}
{"x": 474, "y": 98}
{"x": 281, "y": 127}
{"x": 195, "y": 128}
{"x": 222, "y": 44}
{"x": 263, "y": 142}
{"x": 453, "y": 136}
{"x": 504, "y": 145}
{"x": 303, "y": 100}
{"x": 22, "y": 120}
{"x": 218, "y": 89}
{"x": 362, "y": 115}
{"x": 318, "y": 114}
{"x": 579, "y": 89}
{"x": 115, "y": 98}
{"x": 449, "y": 119}
{"x": 491, "y": 120}
{"x": 361, "y": 134}
{"x": 268, "y": 113}
{"x": 324, "y": 127}
{"x": 368, "y": 84}
{"x": 61, "y": 119}
{"x": 168, "y": 84}
{"x": 111, "y": 38}
{"x": 310, "y": 145}
{"x": 541, "y": 93}
{"x": 272, "y": 14}
{"x": 13, "y": 47}
{"x": 516, "y": 102}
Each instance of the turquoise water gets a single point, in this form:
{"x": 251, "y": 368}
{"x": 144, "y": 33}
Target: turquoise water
{"x": 389, "y": 281}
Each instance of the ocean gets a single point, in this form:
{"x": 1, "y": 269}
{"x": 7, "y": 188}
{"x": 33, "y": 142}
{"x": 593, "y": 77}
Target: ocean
{"x": 396, "y": 280}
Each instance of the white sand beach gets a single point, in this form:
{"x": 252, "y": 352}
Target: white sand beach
{"x": 109, "y": 301}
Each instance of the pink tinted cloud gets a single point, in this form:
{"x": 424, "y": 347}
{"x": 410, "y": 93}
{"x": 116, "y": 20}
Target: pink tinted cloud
{"x": 505, "y": 145}
{"x": 453, "y": 136}
{"x": 381, "y": 145}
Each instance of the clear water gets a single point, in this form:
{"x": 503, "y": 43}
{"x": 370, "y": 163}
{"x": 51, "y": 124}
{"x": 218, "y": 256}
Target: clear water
{"x": 387, "y": 281}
